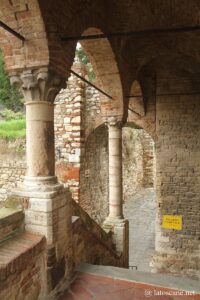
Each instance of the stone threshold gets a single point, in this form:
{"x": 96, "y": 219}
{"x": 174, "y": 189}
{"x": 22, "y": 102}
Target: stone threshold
{"x": 152, "y": 279}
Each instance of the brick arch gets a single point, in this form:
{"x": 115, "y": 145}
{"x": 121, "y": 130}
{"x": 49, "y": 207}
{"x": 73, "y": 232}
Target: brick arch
{"x": 136, "y": 99}
{"x": 173, "y": 66}
{"x": 107, "y": 73}
{"x": 25, "y": 18}
{"x": 178, "y": 64}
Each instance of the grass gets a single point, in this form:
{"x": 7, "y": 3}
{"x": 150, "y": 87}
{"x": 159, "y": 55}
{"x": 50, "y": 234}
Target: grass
{"x": 13, "y": 129}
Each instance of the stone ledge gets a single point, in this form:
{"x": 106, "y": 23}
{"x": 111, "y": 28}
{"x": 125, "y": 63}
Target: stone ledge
{"x": 16, "y": 253}
{"x": 11, "y": 222}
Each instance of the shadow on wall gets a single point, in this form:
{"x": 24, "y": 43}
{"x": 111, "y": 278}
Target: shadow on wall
{"x": 138, "y": 161}
{"x": 94, "y": 175}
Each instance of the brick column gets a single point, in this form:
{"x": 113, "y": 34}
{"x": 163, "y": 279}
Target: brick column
{"x": 47, "y": 203}
{"x": 115, "y": 221}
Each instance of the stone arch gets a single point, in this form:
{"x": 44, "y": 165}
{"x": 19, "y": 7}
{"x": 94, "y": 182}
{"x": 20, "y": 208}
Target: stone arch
{"x": 108, "y": 77}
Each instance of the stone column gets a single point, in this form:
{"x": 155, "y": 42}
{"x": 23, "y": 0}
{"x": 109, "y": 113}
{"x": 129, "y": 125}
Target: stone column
{"x": 39, "y": 88}
{"x": 47, "y": 209}
{"x": 115, "y": 170}
{"x": 115, "y": 223}
{"x": 40, "y": 138}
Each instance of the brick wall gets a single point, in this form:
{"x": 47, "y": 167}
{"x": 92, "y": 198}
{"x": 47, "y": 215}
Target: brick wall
{"x": 23, "y": 269}
{"x": 178, "y": 178}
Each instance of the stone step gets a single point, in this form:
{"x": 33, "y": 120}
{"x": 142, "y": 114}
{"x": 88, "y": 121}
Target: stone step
{"x": 112, "y": 283}
{"x": 11, "y": 223}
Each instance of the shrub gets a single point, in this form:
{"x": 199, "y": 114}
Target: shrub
{"x": 10, "y": 97}
{"x": 13, "y": 129}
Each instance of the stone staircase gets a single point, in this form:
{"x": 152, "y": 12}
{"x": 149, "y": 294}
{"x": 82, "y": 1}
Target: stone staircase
{"x": 92, "y": 282}
{"x": 91, "y": 244}
{"x": 21, "y": 257}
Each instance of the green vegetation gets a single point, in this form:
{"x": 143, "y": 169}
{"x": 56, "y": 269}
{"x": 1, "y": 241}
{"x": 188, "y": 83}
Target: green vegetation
{"x": 11, "y": 104}
{"x": 8, "y": 115}
{"x": 80, "y": 53}
{"x": 13, "y": 129}
{"x": 10, "y": 96}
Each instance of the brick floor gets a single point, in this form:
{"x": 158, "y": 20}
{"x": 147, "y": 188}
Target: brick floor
{"x": 88, "y": 286}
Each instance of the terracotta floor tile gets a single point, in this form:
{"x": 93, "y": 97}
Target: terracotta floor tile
{"x": 66, "y": 296}
{"x": 89, "y": 287}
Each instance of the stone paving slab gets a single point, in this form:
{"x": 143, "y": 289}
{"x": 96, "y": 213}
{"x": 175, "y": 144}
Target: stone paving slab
{"x": 140, "y": 210}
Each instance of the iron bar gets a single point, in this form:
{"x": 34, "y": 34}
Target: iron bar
{"x": 13, "y": 32}
{"x": 89, "y": 83}
{"x": 134, "y": 112}
{"x": 169, "y": 94}
{"x": 132, "y": 96}
{"x": 131, "y": 33}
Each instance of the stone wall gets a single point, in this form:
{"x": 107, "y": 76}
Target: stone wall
{"x": 12, "y": 165}
{"x": 94, "y": 175}
{"x": 132, "y": 152}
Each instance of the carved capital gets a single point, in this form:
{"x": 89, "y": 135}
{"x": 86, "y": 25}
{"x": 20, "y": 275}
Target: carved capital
{"x": 38, "y": 85}
{"x": 113, "y": 121}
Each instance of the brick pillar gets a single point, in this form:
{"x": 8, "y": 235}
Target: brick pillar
{"x": 47, "y": 211}
{"x": 115, "y": 221}
{"x": 69, "y": 130}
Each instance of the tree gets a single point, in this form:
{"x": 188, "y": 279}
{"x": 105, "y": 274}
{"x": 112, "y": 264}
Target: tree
{"x": 10, "y": 97}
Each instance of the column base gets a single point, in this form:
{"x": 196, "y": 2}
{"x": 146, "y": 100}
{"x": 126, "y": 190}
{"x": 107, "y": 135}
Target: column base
{"x": 120, "y": 234}
{"x": 47, "y": 212}
{"x": 38, "y": 185}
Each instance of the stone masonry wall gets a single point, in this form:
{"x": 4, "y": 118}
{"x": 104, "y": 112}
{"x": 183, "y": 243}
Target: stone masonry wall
{"x": 12, "y": 165}
{"x": 138, "y": 161}
{"x": 94, "y": 175}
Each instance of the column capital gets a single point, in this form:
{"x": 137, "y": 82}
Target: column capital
{"x": 38, "y": 84}
{"x": 113, "y": 121}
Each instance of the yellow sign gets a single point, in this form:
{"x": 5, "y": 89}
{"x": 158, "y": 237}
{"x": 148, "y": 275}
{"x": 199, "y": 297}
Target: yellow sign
{"x": 172, "y": 222}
